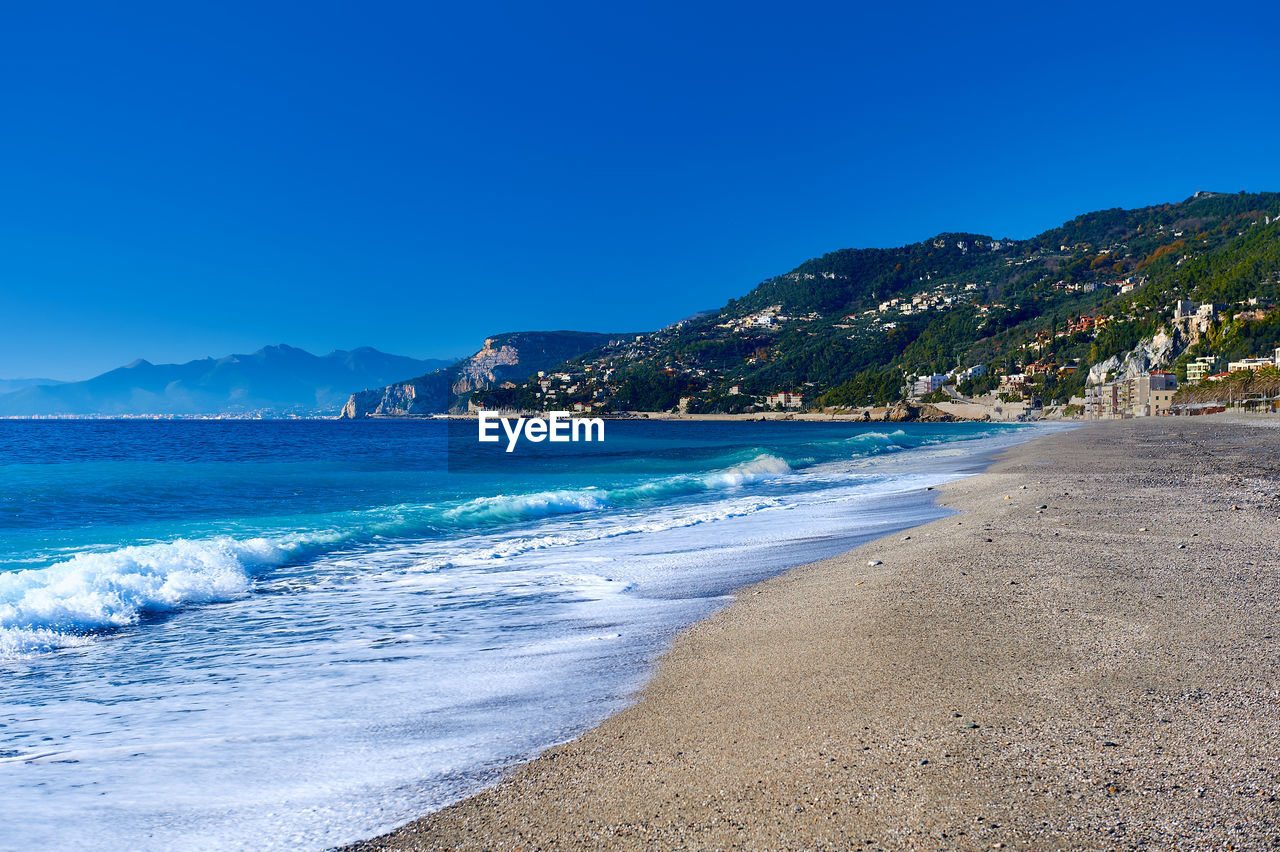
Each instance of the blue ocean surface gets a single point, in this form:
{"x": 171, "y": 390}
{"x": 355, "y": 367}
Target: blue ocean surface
{"x": 293, "y": 634}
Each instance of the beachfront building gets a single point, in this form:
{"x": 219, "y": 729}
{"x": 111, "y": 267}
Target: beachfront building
{"x": 925, "y": 385}
{"x": 1160, "y": 402}
{"x": 1102, "y": 402}
{"x": 785, "y": 399}
{"x": 1151, "y": 394}
{"x": 1143, "y": 395}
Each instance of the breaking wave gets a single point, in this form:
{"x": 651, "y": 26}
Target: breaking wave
{"x": 47, "y": 608}
{"x": 42, "y": 609}
{"x": 519, "y": 507}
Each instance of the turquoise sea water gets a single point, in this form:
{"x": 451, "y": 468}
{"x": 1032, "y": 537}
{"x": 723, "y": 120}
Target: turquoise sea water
{"x": 295, "y": 634}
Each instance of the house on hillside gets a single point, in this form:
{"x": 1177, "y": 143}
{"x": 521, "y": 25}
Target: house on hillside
{"x": 1202, "y": 367}
{"x": 1012, "y": 383}
{"x": 926, "y": 385}
{"x": 1194, "y": 323}
{"x": 1249, "y": 364}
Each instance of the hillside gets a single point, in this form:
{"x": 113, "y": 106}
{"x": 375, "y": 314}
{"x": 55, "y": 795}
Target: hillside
{"x": 504, "y": 359}
{"x": 853, "y": 326}
{"x": 272, "y": 381}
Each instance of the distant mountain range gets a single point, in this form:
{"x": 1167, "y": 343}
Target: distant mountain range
{"x": 274, "y": 380}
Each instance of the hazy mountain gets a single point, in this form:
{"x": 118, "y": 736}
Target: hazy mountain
{"x": 11, "y": 385}
{"x": 274, "y": 380}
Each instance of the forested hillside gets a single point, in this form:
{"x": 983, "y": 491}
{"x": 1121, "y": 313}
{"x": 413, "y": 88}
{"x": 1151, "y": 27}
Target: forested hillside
{"x": 851, "y": 327}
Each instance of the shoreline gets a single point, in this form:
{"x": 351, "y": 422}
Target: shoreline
{"x": 1008, "y": 675}
{"x": 957, "y": 410}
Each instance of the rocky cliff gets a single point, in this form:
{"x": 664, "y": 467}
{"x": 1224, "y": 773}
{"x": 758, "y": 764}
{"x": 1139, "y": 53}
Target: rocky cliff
{"x": 1154, "y": 353}
{"x": 427, "y": 394}
{"x": 509, "y": 357}
{"x": 485, "y": 369}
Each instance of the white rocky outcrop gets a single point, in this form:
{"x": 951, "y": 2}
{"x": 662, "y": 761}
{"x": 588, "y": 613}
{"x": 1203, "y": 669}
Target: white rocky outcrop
{"x": 1152, "y": 353}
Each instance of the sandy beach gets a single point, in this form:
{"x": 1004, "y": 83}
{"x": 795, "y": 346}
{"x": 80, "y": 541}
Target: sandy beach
{"x": 1084, "y": 656}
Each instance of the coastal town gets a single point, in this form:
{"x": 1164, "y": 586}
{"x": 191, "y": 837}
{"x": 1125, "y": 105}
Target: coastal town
{"x": 1174, "y": 372}
{"x": 1137, "y": 387}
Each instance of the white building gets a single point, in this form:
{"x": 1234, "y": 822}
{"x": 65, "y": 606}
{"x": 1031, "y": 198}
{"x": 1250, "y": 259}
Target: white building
{"x": 1249, "y": 364}
{"x": 1201, "y": 368}
{"x": 1012, "y": 382}
{"x": 786, "y": 399}
{"x": 928, "y": 384}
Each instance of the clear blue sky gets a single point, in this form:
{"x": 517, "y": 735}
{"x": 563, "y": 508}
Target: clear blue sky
{"x": 190, "y": 179}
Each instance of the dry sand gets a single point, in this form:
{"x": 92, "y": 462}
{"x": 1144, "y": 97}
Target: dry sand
{"x": 1101, "y": 673}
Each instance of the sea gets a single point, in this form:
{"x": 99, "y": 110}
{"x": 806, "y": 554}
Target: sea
{"x": 296, "y": 634}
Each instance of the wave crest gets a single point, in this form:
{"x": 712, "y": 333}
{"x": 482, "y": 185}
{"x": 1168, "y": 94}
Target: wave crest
{"x": 46, "y": 608}
{"x": 513, "y": 508}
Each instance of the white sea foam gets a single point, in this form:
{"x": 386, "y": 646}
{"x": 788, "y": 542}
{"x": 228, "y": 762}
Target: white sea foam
{"x": 489, "y": 547}
{"x": 53, "y": 607}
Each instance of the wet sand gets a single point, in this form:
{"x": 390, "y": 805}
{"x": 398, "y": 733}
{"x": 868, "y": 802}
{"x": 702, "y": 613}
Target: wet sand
{"x": 1086, "y": 656}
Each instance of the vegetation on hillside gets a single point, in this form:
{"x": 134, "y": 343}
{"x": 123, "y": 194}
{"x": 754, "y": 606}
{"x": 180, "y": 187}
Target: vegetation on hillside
{"x": 851, "y": 328}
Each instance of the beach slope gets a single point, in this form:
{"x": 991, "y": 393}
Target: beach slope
{"x": 1086, "y": 656}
